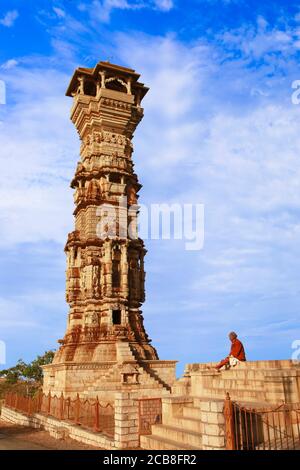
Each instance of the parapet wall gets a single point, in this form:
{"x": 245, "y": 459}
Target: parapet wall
{"x": 251, "y": 381}
{"x": 56, "y": 428}
{"x": 126, "y": 425}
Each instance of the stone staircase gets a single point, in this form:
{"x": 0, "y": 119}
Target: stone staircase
{"x": 193, "y": 415}
{"x": 241, "y": 384}
{"x": 182, "y": 431}
{"x": 252, "y": 381}
{"x": 165, "y": 437}
{"x": 124, "y": 352}
{"x": 152, "y": 373}
{"x": 148, "y": 378}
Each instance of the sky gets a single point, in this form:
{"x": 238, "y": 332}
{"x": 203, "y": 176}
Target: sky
{"x": 220, "y": 129}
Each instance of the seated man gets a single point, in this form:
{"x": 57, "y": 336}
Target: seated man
{"x": 237, "y": 352}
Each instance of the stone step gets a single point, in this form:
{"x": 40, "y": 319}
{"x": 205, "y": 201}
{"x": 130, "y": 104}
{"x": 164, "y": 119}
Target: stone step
{"x": 150, "y": 379}
{"x": 191, "y": 412}
{"x": 112, "y": 376}
{"x": 124, "y": 352}
{"x": 198, "y": 400}
{"x": 233, "y": 373}
{"x": 173, "y": 433}
{"x": 182, "y": 422}
{"x": 153, "y": 442}
{"x": 244, "y": 394}
{"x": 234, "y": 390}
{"x": 237, "y": 384}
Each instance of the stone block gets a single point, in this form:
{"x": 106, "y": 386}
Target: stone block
{"x": 204, "y": 405}
{"x": 212, "y": 442}
{"x": 215, "y": 418}
{"x": 123, "y": 424}
{"x": 213, "y": 430}
{"x": 217, "y": 406}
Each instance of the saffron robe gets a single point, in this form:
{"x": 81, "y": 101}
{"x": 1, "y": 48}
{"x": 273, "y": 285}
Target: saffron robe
{"x": 237, "y": 350}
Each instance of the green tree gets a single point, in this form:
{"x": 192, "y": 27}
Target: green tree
{"x": 15, "y": 373}
{"x": 34, "y": 371}
{"x": 27, "y": 373}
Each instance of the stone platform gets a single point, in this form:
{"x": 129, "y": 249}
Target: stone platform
{"x": 250, "y": 381}
{"x": 152, "y": 378}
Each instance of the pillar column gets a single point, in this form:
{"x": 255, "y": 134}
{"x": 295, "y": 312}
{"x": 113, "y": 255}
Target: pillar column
{"x": 102, "y": 75}
{"x": 108, "y": 268}
{"x": 124, "y": 270}
{"x": 126, "y": 420}
{"x": 81, "y": 85}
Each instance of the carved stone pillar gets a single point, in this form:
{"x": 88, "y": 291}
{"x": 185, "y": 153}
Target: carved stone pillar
{"x": 108, "y": 268}
{"x": 81, "y": 85}
{"x": 124, "y": 270}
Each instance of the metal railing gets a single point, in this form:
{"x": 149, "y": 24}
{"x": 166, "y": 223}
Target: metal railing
{"x": 90, "y": 414}
{"x": 276, "y": 428}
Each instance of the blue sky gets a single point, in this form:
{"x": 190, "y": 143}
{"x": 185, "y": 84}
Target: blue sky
{"x": 219, "y": 129}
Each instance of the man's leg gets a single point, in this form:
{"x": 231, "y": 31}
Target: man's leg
{"x": 223, "y": 363}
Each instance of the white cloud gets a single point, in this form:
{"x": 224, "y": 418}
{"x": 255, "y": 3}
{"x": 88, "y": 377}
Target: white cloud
{"x": 42, "y": 147}
{"x": 102, "y": 9}
{"x": 9, "y": 64}
{"x": 238, "y": 156}
{"x": 59, "y": 12}
{"x": 262, "y": 40}
{"x": 164, "y": 5}
{"x": 9, "y": 18}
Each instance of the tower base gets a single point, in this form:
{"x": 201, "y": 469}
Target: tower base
{"x": 103, "y": 379}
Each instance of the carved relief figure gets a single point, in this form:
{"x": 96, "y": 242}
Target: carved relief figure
{"x": 131, "y": 195}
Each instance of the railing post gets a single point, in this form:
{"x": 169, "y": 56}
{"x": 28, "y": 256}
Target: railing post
{"x": 49, "y": 404}
{"x": 77, "y": 409}
{"x": 68, "y": 402}
{"x": 229, "y": 423}
{"x": 34, "y": 403}
{"x": 29, "y": 406}
{"x": 16, "y": 401}
{"x": 62, "y": 406}
{"x": 96, "y": 426}
{"x": 39, "y": 401}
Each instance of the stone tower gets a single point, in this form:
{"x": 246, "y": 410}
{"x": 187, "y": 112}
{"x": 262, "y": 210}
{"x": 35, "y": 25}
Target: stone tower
{"x": 106, "y": 347}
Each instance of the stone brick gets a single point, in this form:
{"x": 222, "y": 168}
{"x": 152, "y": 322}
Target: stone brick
{"x": 217, "y": 406}
{"x": 213, "y": 430}
{"x": 216, "y": 441}
{"x": 205, "y": 406}
{"x": 215, "y": 418}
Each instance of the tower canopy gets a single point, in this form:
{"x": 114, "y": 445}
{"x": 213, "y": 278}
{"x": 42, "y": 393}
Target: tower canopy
{"x": 107, "y": 75}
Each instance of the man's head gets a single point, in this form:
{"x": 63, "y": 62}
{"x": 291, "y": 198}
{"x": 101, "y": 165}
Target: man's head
{"x": 232, "y": 336}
